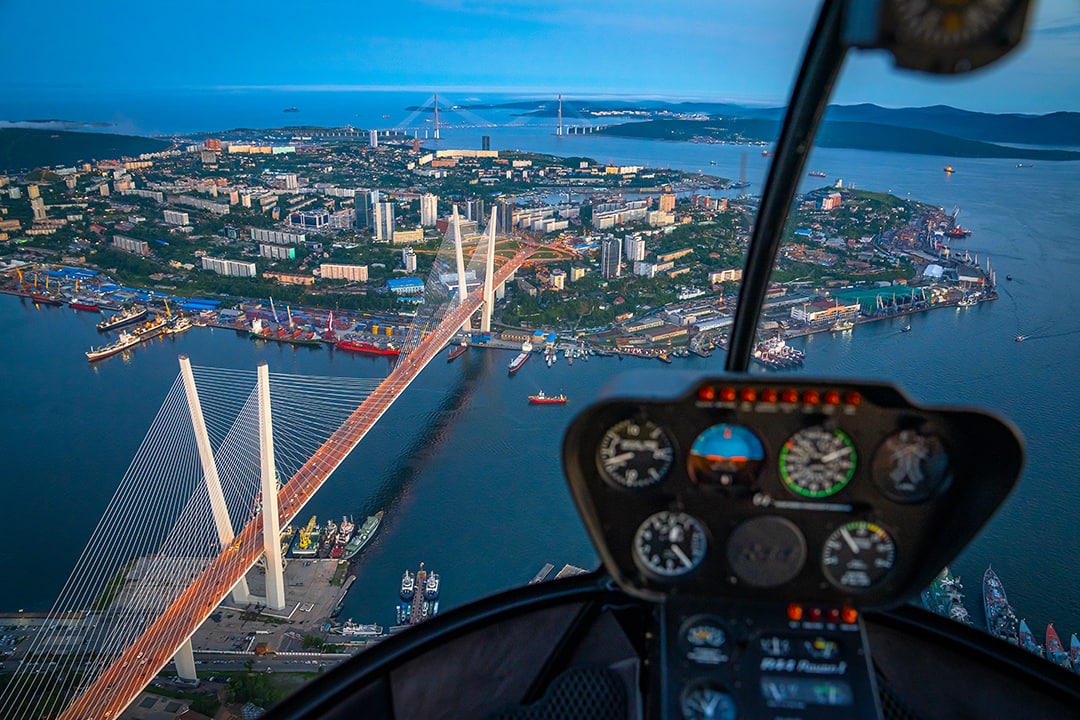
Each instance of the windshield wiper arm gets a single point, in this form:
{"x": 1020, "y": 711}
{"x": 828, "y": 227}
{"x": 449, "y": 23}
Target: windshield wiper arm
{"x": 821, "y": 65}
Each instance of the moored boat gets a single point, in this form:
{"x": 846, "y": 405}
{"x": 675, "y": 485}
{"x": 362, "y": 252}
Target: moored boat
{"x": 362, "y": 536}
{"x": 122, "y": 343}
{"x": 1000, "y": 618}
{"x": 367, "y": 347}
{"x": 457, "y": 351}
{"x": 842, "y": 326}
{"x": 1055, "y": 652}
{"x": 408, "y": 585}
{"x": 1027, "y": 639}
{"x": 517, "y": 362}
{"x": 351, "y": 629}
{"x": 84, "y": 304}
{"x": 126, "y": 316}
{"x": 541, "y": 399}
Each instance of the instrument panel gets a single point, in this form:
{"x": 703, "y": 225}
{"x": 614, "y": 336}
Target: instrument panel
{"x": 822, "y": 491}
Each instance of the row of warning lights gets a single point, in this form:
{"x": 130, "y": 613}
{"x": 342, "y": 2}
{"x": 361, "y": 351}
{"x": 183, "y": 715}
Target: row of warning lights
{"x": 797, "y": 613}
{"x": 790, "y": 396}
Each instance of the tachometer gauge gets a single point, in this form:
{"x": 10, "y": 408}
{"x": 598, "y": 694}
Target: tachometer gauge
{"x": 817, "y": 461}
{"x": 669, "y": 544}
{"x": 635, "y": 453}
{"x": 708, "y": 701}
{"x": 858, "y": 555}
{"x": 910, "y": 467}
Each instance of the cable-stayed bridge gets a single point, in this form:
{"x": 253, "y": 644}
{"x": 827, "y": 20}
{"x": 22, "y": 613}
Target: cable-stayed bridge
{"x": 228, "y": 449}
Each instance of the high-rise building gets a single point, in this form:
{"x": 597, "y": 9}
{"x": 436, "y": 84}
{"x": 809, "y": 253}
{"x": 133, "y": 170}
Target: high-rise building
{"x": 610, "y": 258}
{"x": 408, "y": 257}
{"x": 667, "y": 202}
{"x": 38, "y": 206}
{"x": 384, "y": 221}
{"x": 504, "y": 217}
{"x": 172, "y": 217}
{"x": 291, "y": 181}
{"x": 634, "y": 247}
{"x": 429, "y": 209}
{"x": 373, "y": 138}
{"x": 474, "y": 210}
{"x": 485, "y": 142}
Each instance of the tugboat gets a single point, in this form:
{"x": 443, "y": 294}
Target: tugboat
{"x": 1021, "y": 338}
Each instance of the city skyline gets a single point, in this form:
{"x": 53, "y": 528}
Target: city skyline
{"x": 742, "y": 52}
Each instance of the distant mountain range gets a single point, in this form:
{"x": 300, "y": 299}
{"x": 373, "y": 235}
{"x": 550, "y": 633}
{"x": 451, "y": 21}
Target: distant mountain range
{"x": 948, "y": 127}
{"x": 25, "y": 148}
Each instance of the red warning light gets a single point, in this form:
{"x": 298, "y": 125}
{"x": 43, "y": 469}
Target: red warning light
{"x": 849, "y": 615}
{"x": 794, "y": 612}
{"x": 833, "y": 615}
{"x": 748, "y": 395}
{"x": 811, "y": 397}
{"x": 832, "y": 398}
{"x": 707, "y": 393}
{"x": 727, "y": 394}
{"x": 853, "y": 398}
{"x": 790, "y": 396}
{"x": 814, "y": 614}
{"x": 769, "y": 395}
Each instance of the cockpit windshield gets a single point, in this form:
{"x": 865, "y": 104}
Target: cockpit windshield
{"x": 399, "y": 249}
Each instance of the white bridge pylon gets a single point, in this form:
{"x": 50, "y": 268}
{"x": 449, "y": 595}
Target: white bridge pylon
{"x": 489, "y": 268}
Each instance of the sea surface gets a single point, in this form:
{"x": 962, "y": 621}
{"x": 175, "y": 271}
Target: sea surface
{"x": 469, "y": 474}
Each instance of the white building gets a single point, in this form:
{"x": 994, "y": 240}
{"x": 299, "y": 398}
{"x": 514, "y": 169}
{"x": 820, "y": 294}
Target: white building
{"x": 277, "y": 252}
{"x": 408, "y": 257}
{"x": 634, "y": 247}
{"x": 558, "y": 279}
{"x": 277, "y": 237}
{"x": 131, "y": 245}
{"x": 173, "y": 217}
{"x": 429, "y": 209}
{"x": 232, "y": 268}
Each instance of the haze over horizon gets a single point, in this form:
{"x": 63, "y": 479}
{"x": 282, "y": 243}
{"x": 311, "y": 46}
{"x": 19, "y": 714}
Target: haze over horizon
{"x": 744, "y": 53}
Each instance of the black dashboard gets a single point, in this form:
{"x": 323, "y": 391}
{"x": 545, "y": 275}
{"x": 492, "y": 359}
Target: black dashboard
{"x": 763, "y": 515}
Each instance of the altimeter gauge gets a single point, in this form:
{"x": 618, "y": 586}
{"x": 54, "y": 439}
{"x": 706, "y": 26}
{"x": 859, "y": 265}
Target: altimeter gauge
{"x": 634, "y": 453}
{"x": 669, "y": 544}
{"x": 817, "y": 461}
{"x": 858, "y": 555}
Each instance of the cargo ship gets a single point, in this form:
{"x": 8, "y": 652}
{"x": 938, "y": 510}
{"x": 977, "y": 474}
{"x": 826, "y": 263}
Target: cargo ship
{"x": 84, "y": 304}
{"x": 261, "y": 331}
{"x": 45, "y": 299}
{"x": 126, "y": 316}
{"x": 1055, "y": 652}
{"x": 541, "y": 399}
{"x": 1000, "y": 618}
{"x": 177, "y": 325}
{"x": 121, "y": 344}
{"x": 150, "y": 328}
{"x": 957, "y": 232}
{"x": 360, "y": 539}
{"x": 367, "y": 347}
{"x": 517, "y": 362}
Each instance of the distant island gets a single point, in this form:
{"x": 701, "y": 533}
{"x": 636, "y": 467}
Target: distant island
{"x": 25, "y": 148}
{"x": 833, "y": 134}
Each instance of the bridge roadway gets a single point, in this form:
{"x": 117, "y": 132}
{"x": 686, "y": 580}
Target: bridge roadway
{"x": 133, "y": 670}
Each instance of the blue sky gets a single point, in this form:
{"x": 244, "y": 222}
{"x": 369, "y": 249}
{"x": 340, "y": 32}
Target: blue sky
{"x": 742, "y": 51}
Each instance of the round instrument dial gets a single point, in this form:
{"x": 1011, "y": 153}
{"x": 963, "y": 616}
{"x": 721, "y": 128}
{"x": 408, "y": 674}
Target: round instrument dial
{"x": 634, "y": 453}
{"x": 707, "y": 701}
{"x": 910, "y": 467}
{"x": 669, "y": 544}
{"x": 858, "y": 555}
{"x": 817, "y": 461}
{"x": 726, "y": 456}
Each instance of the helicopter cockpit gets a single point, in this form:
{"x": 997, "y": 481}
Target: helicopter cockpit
{"x": 759, "y": 535}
